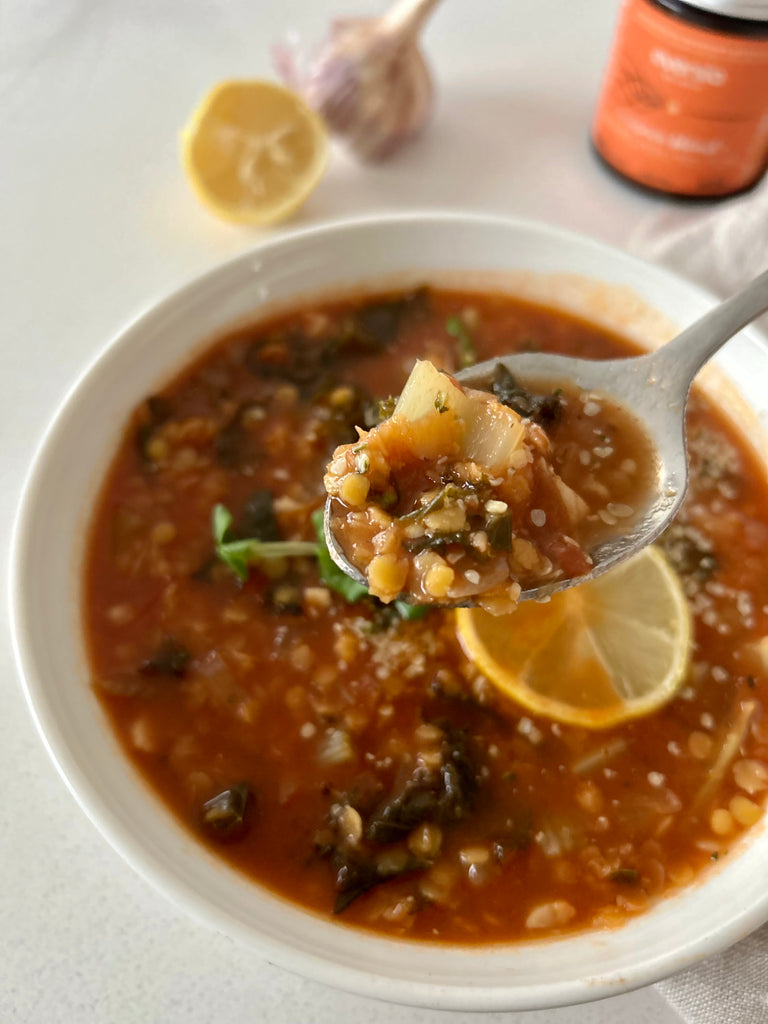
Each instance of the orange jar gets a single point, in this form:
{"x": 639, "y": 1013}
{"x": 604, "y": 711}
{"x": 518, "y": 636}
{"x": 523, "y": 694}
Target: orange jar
{"x": 684, "y": 104}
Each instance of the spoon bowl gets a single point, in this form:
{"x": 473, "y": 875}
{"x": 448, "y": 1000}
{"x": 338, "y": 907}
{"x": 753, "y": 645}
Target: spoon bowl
{"x": 654, "y": 388}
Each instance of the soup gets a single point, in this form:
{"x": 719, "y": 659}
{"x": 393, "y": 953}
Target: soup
{"x": 346, "y": 753}
{"x": 455, "y": 496}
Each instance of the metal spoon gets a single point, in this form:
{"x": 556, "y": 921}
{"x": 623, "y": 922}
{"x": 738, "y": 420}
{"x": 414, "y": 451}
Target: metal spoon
{"x": 654, "y": 387}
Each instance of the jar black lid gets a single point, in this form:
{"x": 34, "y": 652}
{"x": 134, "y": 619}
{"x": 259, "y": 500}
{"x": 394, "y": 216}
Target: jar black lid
{"x": 748, "y": 18}
{"x": 750, "y": 10}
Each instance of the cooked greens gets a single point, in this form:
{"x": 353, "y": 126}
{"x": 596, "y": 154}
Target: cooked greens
{"x": 242, "y": 553}
{"x": 169, "y": 659}
{"x": 224, "y": 816}
{"x": 542, "y": 409}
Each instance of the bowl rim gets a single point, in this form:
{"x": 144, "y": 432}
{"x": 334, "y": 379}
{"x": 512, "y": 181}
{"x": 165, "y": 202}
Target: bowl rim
{"x": 352, "y": 979}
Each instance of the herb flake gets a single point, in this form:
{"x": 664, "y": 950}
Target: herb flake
{"x": 457, "y": 329}
{"x": 240, "y": 555}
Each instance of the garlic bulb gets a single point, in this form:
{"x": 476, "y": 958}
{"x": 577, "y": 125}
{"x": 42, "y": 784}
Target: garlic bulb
{"x": 369, "y": 80}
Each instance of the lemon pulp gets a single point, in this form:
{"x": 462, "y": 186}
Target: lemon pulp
{"x": 595, "y": 655}
{"x": 253, "y": 151}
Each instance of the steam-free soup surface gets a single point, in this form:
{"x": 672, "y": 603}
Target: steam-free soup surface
{"x": 353, "y": 760}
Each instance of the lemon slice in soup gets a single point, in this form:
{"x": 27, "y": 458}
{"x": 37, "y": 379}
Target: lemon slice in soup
{"x": 595, "y": 655}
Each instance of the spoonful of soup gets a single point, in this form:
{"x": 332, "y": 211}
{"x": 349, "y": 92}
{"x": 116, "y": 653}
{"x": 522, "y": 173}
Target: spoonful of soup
{"x": 523, "y": 475}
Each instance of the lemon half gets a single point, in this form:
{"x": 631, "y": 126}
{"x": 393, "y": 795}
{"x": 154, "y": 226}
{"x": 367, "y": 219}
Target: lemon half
{"x": 595, "y": 655}
{"x": 253, "y": 151}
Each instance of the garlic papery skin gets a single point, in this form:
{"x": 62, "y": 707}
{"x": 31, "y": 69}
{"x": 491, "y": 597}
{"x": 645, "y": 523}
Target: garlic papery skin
{"x": 369, "y": 80}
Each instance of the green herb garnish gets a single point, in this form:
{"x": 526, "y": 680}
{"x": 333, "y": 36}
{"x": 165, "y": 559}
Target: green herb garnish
{"x": 240, "y": 555}
{"x": 449, "y": 493}
{"x": 385, "y": 408}
{"x": 459, "y": 330}
{"x": 410, "y": 612}
{"x": 437, "y": 540}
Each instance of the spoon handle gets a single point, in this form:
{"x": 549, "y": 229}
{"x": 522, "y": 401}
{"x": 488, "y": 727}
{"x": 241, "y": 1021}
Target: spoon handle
{"x": 682, "y": 358}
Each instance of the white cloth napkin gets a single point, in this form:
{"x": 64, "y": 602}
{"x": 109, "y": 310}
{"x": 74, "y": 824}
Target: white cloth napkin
{"x": 722, "y": 248}
{"x": 731, "y": 988}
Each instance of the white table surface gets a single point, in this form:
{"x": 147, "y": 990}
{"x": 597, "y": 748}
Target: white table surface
{"x": 96, "y": 222}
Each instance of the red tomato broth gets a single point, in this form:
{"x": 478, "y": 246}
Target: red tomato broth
{"x": 265, "y": 690}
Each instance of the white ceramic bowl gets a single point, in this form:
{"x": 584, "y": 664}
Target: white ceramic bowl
{"x": 45, "y": 597}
